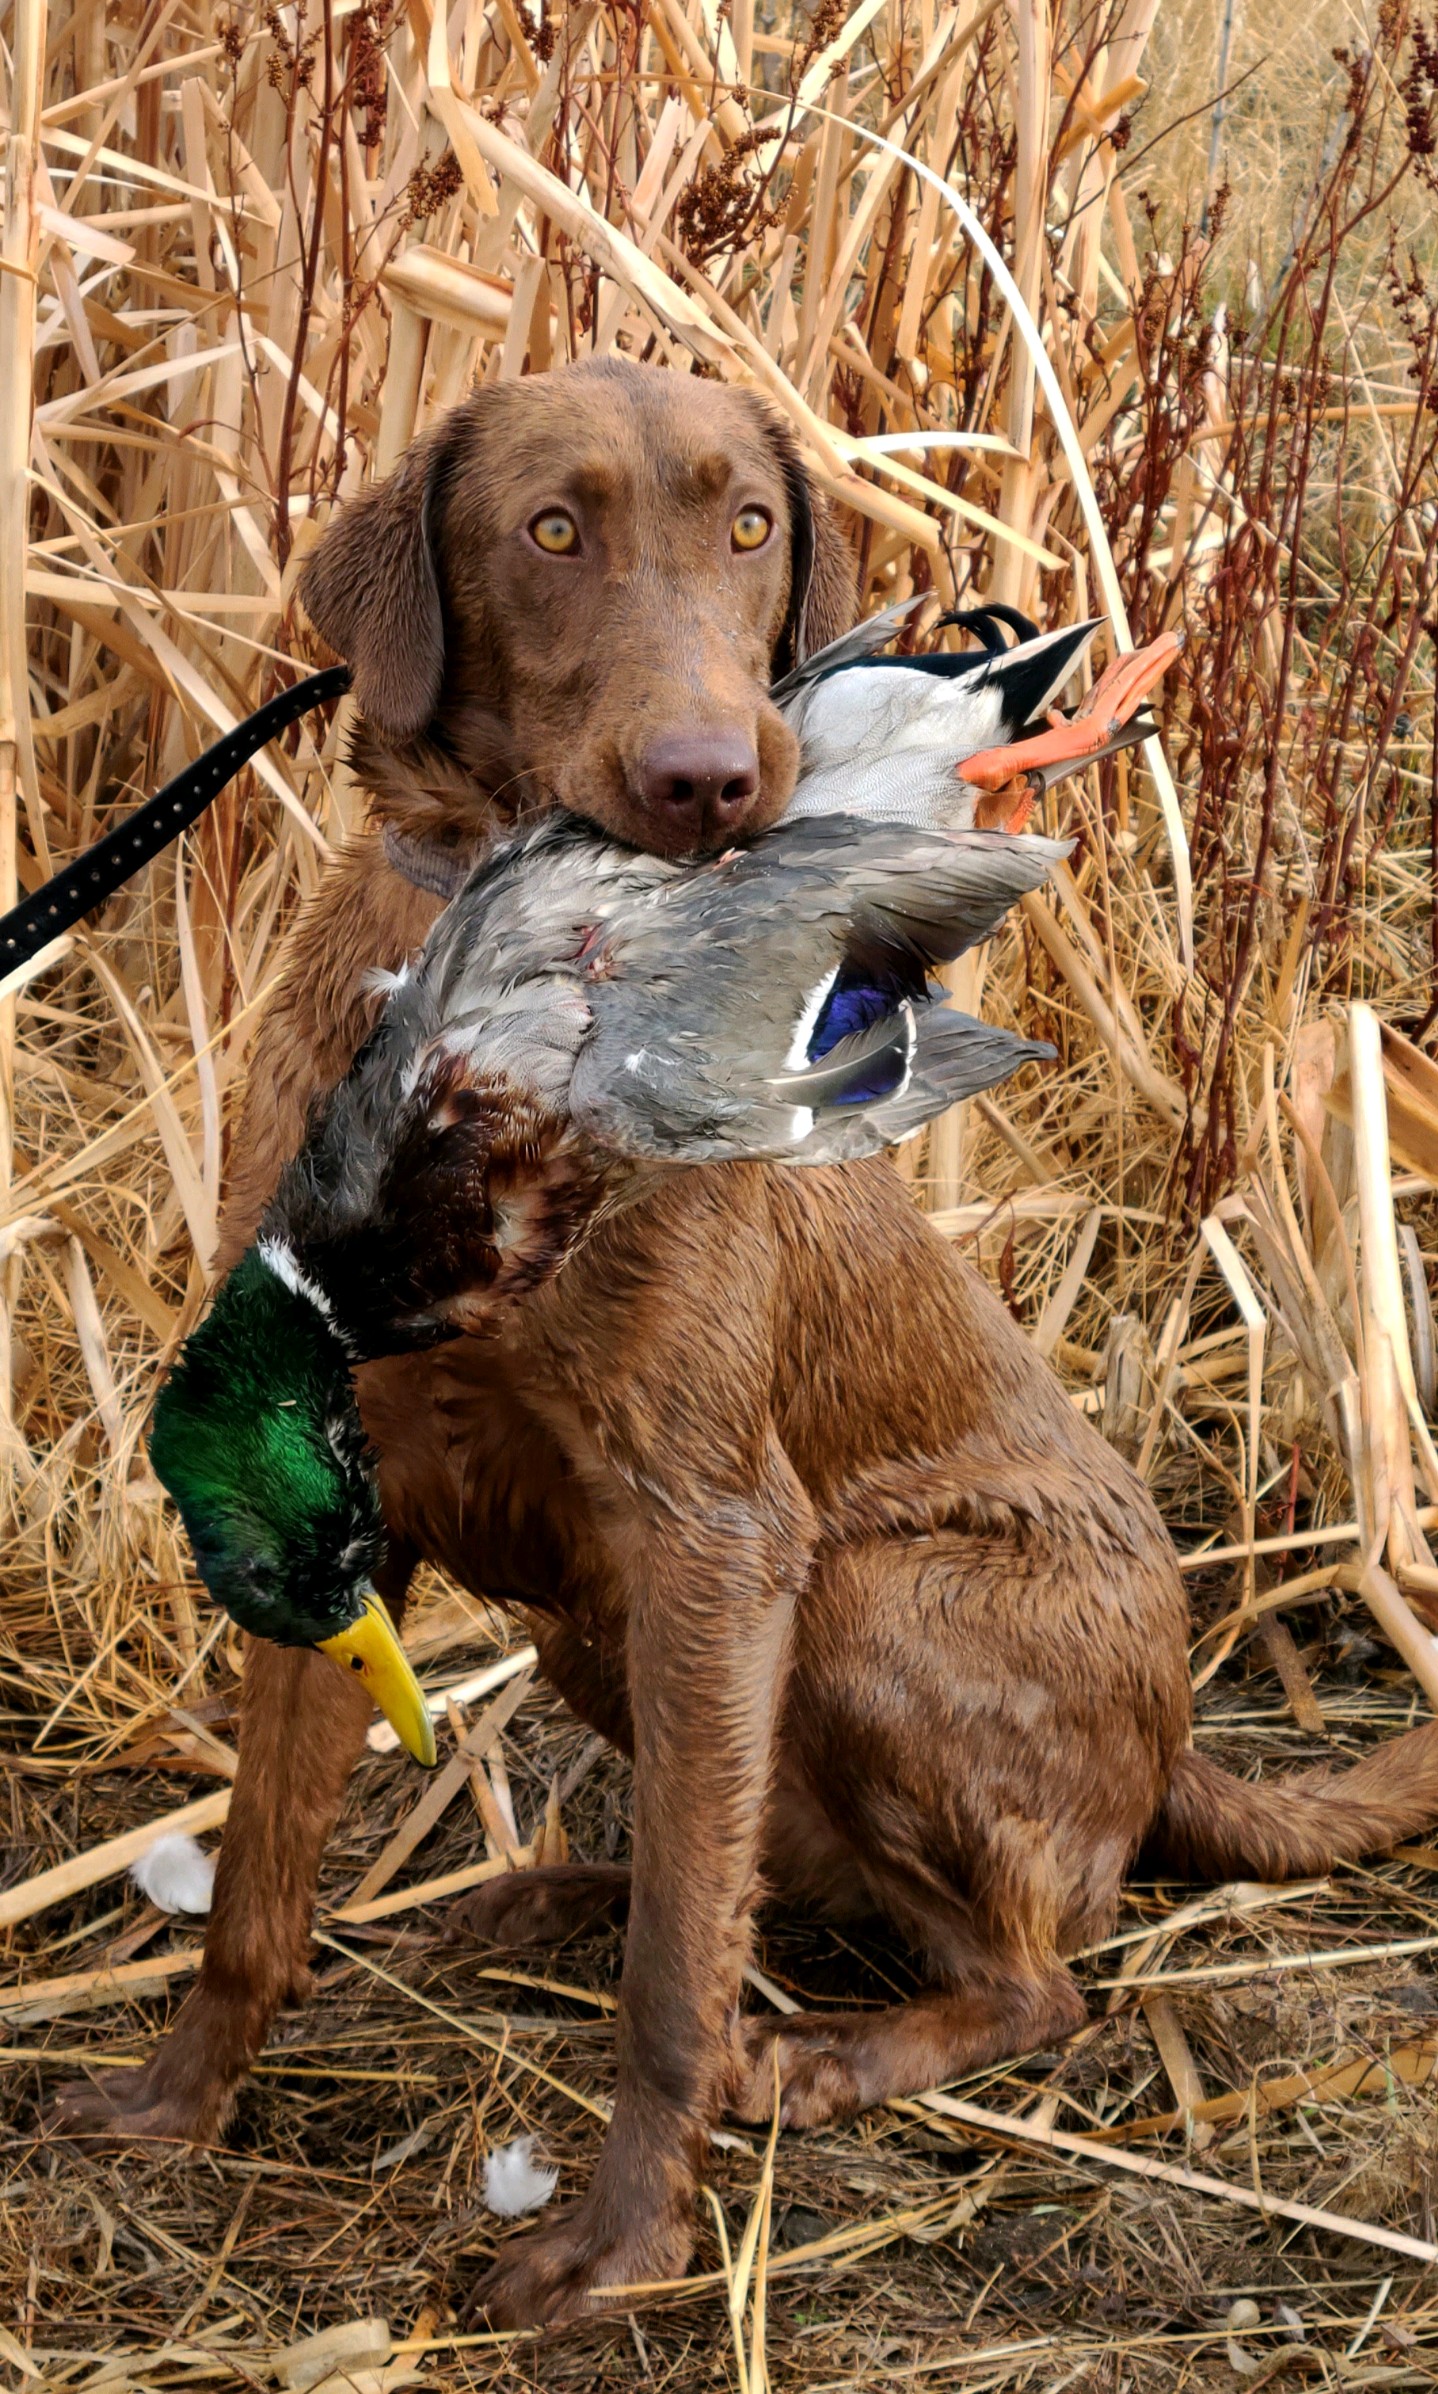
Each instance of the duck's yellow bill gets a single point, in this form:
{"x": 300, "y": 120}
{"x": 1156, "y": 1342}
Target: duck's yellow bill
{"x": 371, "y": 1647}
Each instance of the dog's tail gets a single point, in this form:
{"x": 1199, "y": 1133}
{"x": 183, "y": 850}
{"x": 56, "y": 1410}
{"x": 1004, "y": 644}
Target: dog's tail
{"x": 1213, "y": 1826}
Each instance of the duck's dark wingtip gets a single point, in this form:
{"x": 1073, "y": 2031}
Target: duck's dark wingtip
{"x": 1029, "y": 678}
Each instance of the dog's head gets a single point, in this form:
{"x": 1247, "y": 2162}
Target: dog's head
{"x": 576, "y": 589}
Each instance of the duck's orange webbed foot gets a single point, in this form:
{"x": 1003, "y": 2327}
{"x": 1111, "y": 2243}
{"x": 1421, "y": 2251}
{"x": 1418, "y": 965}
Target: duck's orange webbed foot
{"x": 1071, "y": 741}
{"x": 1009, "y": 806}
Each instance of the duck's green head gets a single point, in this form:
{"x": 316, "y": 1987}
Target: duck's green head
{"x": 258, "y": 1438}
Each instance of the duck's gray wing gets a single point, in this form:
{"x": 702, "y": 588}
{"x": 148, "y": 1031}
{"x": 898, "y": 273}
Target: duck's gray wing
{"x": 500, "y": 988}
{"x": 935, "y": 891}
{"x": 707, "y": 1018}
{"x": 675, "y": 1110}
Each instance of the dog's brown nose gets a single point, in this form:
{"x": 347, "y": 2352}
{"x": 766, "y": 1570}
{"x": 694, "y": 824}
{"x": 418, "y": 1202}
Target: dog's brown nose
{"x": 700, "y": 779}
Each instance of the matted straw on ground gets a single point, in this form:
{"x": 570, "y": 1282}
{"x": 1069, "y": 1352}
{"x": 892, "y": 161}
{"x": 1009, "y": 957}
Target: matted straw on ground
{"x": 1190, "y": 378}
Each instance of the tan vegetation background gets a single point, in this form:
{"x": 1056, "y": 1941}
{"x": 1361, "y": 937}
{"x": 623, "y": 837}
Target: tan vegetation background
{"x": 244, "y": 256}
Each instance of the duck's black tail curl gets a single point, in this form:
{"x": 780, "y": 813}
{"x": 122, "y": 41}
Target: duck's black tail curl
{"x": 1213, "y": 1826}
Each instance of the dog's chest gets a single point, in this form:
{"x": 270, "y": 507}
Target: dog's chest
{"x": 491, "y": 1474}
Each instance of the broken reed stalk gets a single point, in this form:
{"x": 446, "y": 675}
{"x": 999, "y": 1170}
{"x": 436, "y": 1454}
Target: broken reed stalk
{"x": 19, "y": 262}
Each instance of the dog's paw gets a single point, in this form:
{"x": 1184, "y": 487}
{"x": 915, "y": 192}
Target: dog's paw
{"x": 565, "y": 2270}
{"x": 127, "y": 2107}
{"x": 539, "y": 1907}
{"x": 819, "y": 2081}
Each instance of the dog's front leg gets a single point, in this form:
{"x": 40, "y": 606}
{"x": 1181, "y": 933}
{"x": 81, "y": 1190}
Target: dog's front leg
{"x": 302, "y": 1730}
{"x": 713, "y": 1597}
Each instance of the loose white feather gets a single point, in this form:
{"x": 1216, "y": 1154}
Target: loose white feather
{"x": 376, "y": 982}
{"x": 512, "y": 2182}
{"x": 175, "y": 1874}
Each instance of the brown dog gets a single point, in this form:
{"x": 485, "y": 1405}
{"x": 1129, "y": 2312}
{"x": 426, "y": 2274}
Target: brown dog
{"x": 796, "y": 1515}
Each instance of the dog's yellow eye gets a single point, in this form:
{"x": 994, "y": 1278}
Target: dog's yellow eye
{"x": 555, "y": 532}
{"x": 752, "y": 527}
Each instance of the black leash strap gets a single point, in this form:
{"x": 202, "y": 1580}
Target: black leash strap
{"x": 115, "y": 859}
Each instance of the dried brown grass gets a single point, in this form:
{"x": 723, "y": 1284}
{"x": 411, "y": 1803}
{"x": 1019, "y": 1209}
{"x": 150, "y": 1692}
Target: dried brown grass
{"x": 246, "y": 258}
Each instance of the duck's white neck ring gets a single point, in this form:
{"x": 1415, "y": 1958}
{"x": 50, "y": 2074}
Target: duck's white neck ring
{"x": 278, "y": 1256}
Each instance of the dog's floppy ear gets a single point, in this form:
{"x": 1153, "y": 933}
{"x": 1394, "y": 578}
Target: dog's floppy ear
{"x": 823, "y": 575}
{"x": 372, "y": 591}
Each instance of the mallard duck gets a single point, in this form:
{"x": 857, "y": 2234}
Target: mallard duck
{"x": 581, "y": 1019}
{"x": 956, "y": 739}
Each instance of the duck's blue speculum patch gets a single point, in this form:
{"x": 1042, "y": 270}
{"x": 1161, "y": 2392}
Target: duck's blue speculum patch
{"x": 856, "y": 1001}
